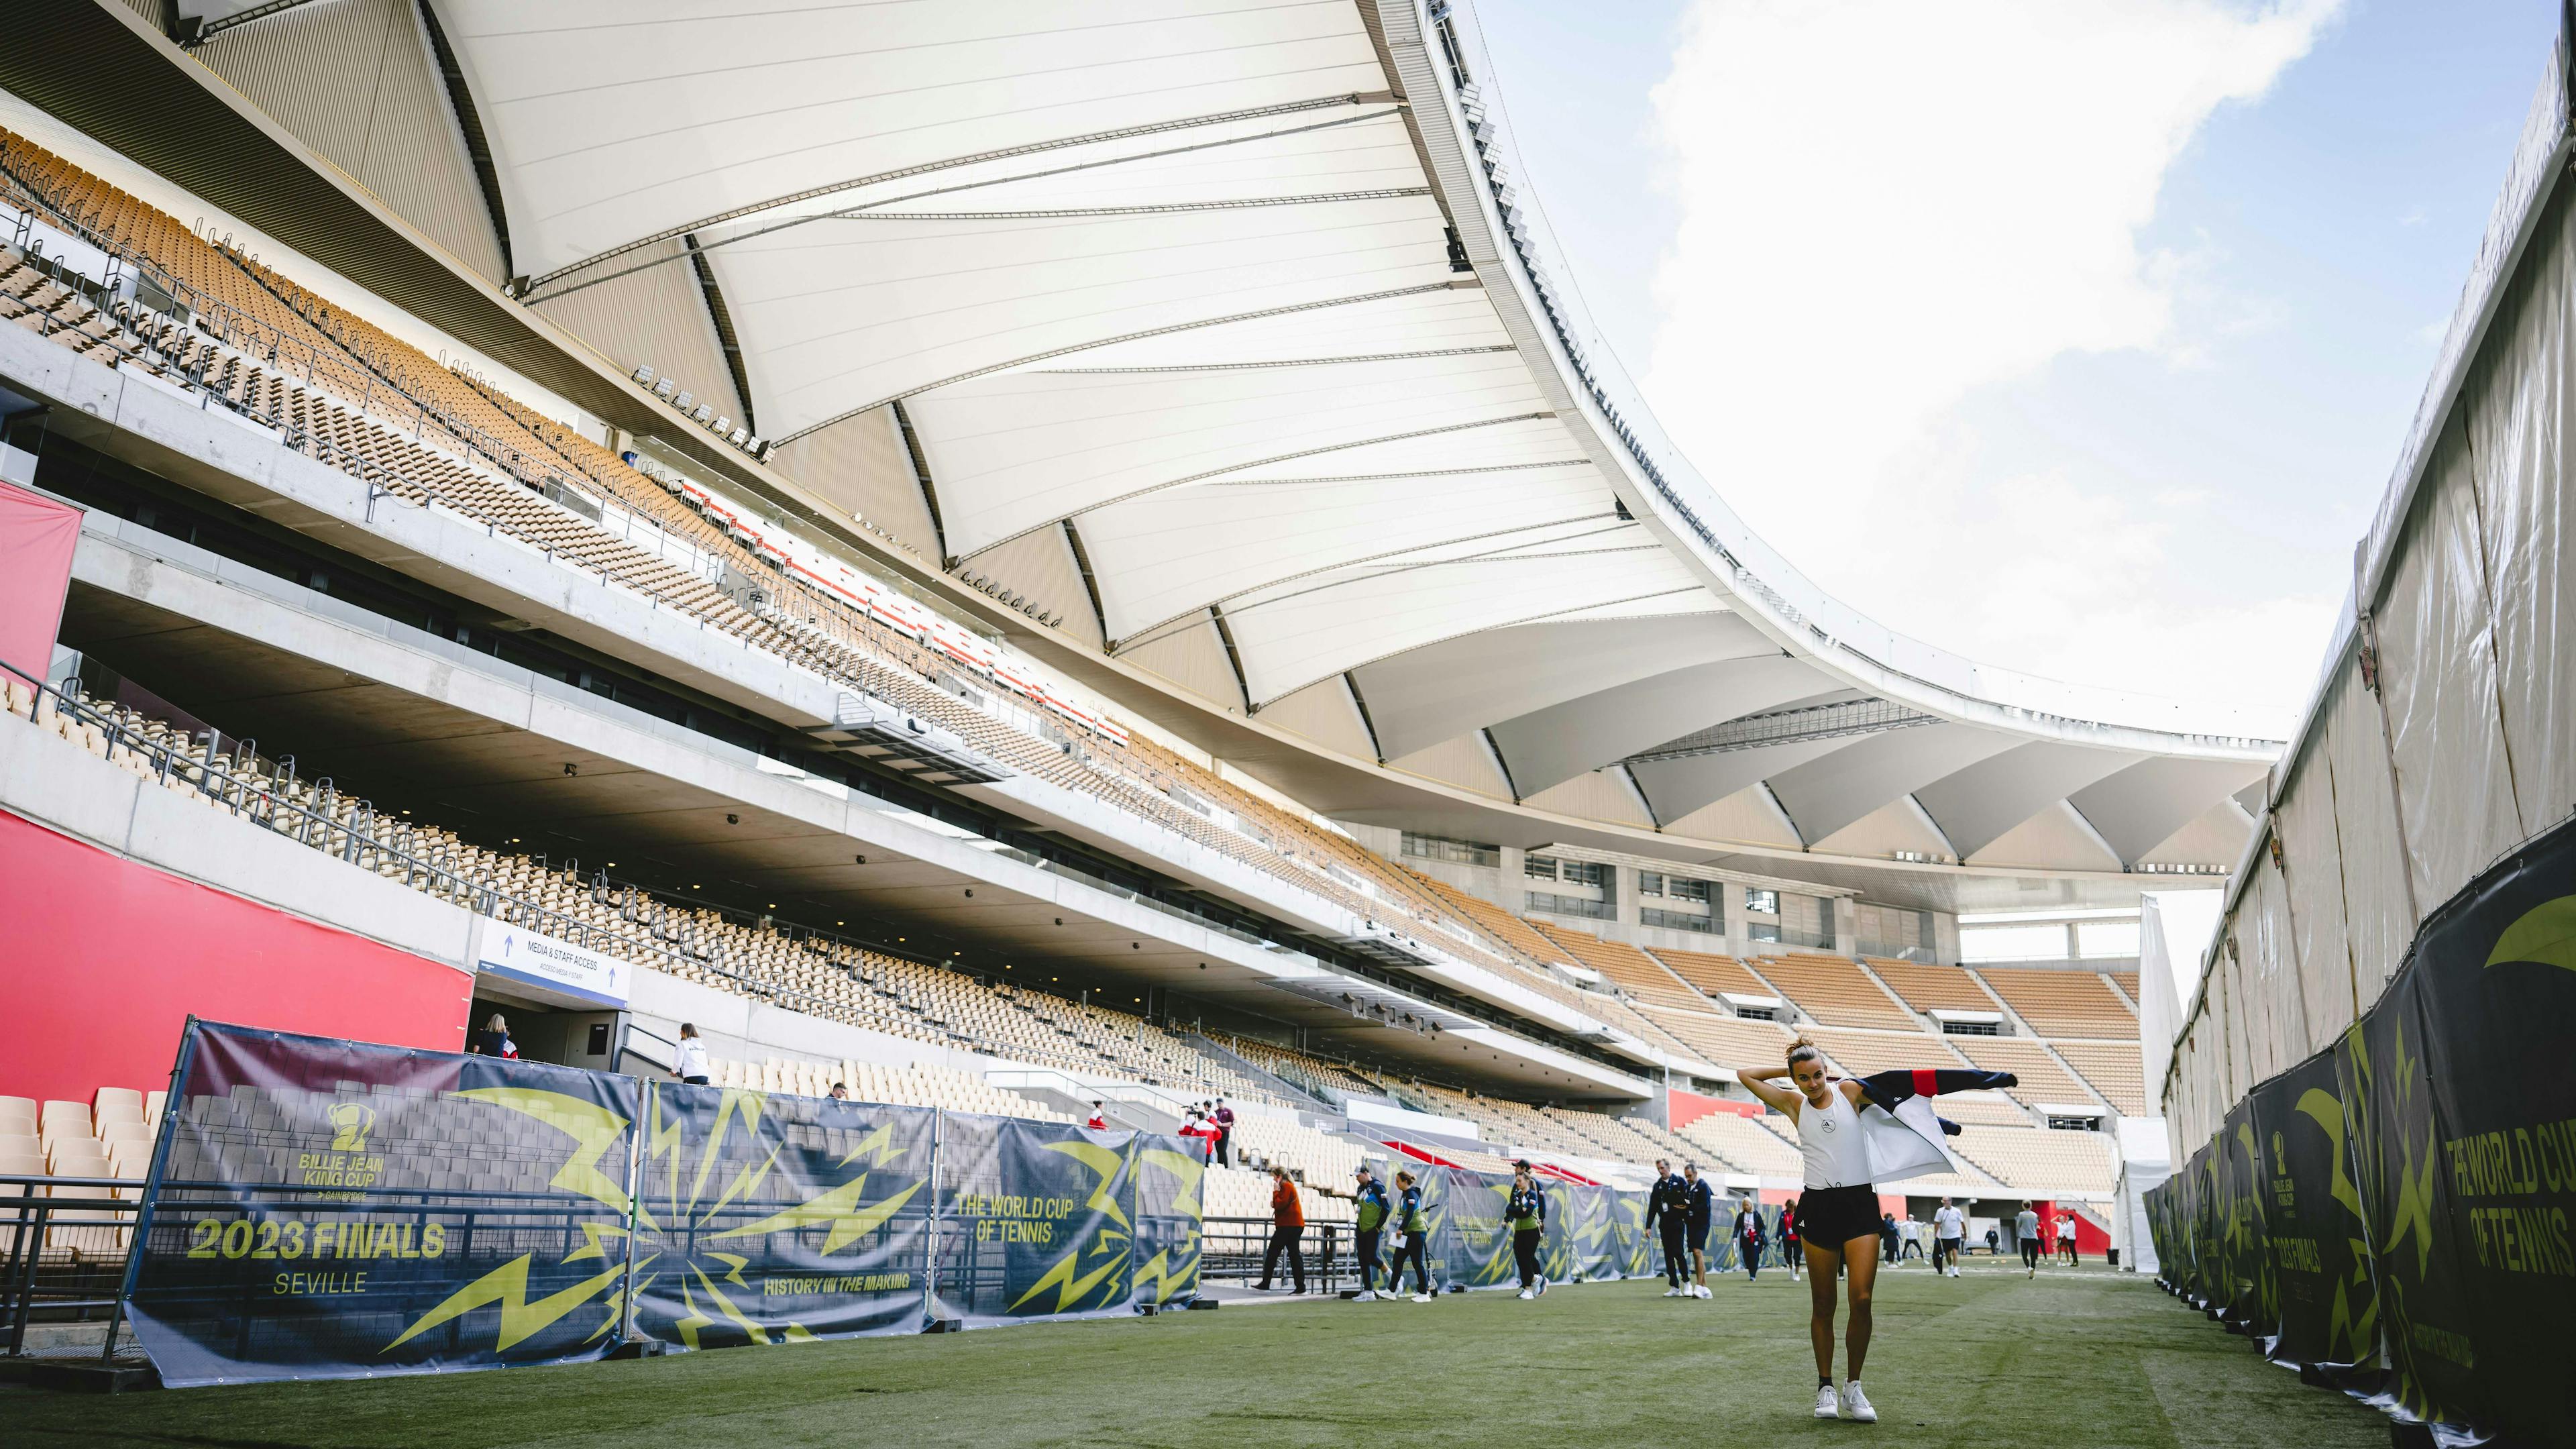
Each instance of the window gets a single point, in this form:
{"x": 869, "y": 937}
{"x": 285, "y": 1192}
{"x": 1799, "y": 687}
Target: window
{"x": 1762, "y": 903}
{"x": 1972, "y": 1028}
{"x": 1701, "y": 891}
{"x": 1456, "y": 852}
{"x": 1762, "y": 931}
{"x": 1676, "y": 920}
{"x": 2074, "y": 1124}
{"x": 1649, "y": 883}
{"x": 1758, "y": 1013}
{"x": 2106, "y": 938}
{"x": 1539, "y": 867}
{"x": 1573, "y": 906}
{"x": 1583, "y": 872}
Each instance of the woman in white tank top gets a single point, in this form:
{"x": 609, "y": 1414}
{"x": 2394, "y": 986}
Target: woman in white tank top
{"x": 1837, "y": 1214}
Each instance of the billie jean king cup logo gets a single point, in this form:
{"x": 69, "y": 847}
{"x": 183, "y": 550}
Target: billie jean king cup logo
{"x": 350, "y": 1124}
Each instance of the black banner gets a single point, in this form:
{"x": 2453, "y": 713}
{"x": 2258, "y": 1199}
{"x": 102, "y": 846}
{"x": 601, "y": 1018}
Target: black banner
{"x": 328, "y": 1209}
{"x": 1044, "y": 1221}
{"x": 2405, "y": 1198}
{"x": 770, "y": 1218}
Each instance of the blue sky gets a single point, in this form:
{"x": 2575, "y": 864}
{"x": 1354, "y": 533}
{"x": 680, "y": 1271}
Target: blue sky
{"x": 2180, "y": 267}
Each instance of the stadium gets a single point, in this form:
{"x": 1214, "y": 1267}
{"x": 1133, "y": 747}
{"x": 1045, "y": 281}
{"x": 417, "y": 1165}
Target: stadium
{"x": 1012, "y": 695}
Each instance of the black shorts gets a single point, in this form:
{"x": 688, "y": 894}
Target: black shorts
{"x": 1698, "y": 1237}
{"x": 1829, "y": 1217}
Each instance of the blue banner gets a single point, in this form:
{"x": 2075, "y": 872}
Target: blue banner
{"x": 771, "y": 1218}
{"x": 328, "y": 1209}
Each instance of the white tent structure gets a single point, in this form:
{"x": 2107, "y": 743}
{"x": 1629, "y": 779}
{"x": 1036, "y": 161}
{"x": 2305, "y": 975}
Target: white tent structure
{"x": 1241, "y": 310}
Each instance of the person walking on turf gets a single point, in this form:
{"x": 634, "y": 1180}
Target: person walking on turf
{"x": 2026, "y": 1232}
{"x": 1837, "y": 1215}
{"x": 1747, "y": 1233}
{"x": 2066, "y": 1237}
{"x": 1287, "y": 1228}
{"x": 1664, "y": 1210}
{"x": 1409, "y": 1232}
{"x": 1790, "y": 1254}
{"x": 1949, "y": 1225}
{"x": 1526, "y": 1212}
{"x": 1699, "y": 1207}
{"x": 1887, "y": 1236}
{"x": 1368, "y": 1220}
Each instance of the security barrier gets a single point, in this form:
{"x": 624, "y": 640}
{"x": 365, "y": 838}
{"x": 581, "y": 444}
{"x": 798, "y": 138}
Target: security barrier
{"x": 2393, "y": 1214}
{"x": 327, "y": 1209}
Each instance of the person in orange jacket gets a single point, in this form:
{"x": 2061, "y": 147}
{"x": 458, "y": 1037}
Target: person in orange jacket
{"x": 1287, "y": 1232}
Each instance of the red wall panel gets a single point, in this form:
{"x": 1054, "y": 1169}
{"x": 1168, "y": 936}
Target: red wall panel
{"x": 102, "y": 961}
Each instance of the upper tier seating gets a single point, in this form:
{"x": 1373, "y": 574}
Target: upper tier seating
{"x": 1930, "y": 988}
{"x": 2043, "y": 1081}
{"x": 1862, "y": 1053}
{"x": 1834, "y": 991}
{"x": 2114, "y": 1070}
{"x": 1729, "y": 1041}
{"x": 1299, "y": 1069}
{"x": 2127, "y": 981}
{"x": 1713, "y": 976}
{"x": 1636, "y": 973}
{"x": 2043, "y": 1164}
{"x": 2063, "y": 1003}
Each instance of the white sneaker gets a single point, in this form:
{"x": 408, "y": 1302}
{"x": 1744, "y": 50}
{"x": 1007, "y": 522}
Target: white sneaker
{"x": 1856, "y": 1405}
{"x": 1527, "y": 1295}
{"x": 1542, "y": 1285}
{"x": 1672, "y": 1292}
{"x": 1364, "y": 1296}
{"x": 1421, "y": 1297}
{"x": 1700, "y": 1291}
{"x": 1828, "y": 1404}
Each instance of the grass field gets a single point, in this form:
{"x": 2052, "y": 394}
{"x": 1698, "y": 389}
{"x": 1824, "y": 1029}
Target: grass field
{"x": 2080, "y": 1360}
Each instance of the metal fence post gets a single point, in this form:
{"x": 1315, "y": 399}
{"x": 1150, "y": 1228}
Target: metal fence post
{"x": 930, "y": 1251}
{"x": 646, "y": 1093}
{"x": 171, "y": 1106}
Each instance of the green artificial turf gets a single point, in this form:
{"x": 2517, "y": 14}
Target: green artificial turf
{"x": 2074, "y": 1360}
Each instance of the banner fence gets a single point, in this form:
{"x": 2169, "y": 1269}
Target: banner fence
{"x": 328, "y": 1209}
{"x": 2394, "y": 1213}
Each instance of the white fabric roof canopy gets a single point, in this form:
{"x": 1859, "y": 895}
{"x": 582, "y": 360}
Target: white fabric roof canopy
{"x": 1176, "y": 274}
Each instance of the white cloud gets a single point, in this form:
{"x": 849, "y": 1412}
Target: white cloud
{"x": 1888, "y": 206}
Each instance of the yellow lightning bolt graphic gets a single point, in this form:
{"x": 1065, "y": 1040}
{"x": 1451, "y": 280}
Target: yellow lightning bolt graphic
{"x": 593, "y": 1128}
{"x": 507, "y": 1285}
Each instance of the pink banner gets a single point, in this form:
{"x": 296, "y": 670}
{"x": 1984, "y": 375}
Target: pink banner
{"x": 37, "y": 536}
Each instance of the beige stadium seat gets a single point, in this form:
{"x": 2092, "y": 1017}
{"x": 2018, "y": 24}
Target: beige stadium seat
{"x": 13, "y": 1109}
{"x": 118, "y": 1104}
{"x": 27, "y": 1145}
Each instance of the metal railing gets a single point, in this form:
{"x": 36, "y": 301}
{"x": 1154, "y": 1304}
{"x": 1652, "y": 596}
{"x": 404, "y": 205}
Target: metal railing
{"x": 44, "y": 1283}
{"x": 1235, "y": 1248}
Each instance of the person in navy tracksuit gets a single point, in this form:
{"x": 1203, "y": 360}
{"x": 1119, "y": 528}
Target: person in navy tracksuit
{"x": 1664, "y": 1209}
{"x": 1526, "y": 1213}
{"x": 1699, "y": 1206}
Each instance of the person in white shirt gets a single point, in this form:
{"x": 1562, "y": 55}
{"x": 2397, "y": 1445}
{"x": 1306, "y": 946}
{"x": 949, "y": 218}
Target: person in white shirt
{"x": 1949, "y": 1225}
{"x": 1098, "y": 1121}
{"x": 2066, "y": 1237}
{"x": 1909, "y": 1238}
{"x": 692, "y": 1066}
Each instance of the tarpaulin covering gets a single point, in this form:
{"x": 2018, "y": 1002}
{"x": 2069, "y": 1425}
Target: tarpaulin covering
{"x": 2410, "y": 1192}
{"x": 37, "y": 539}
{"x": 330, "y": 1209}
{"x": 1045, "y": 1221}
{"x": 768, "y": 1218}
{"x": 334, "y": 1210}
